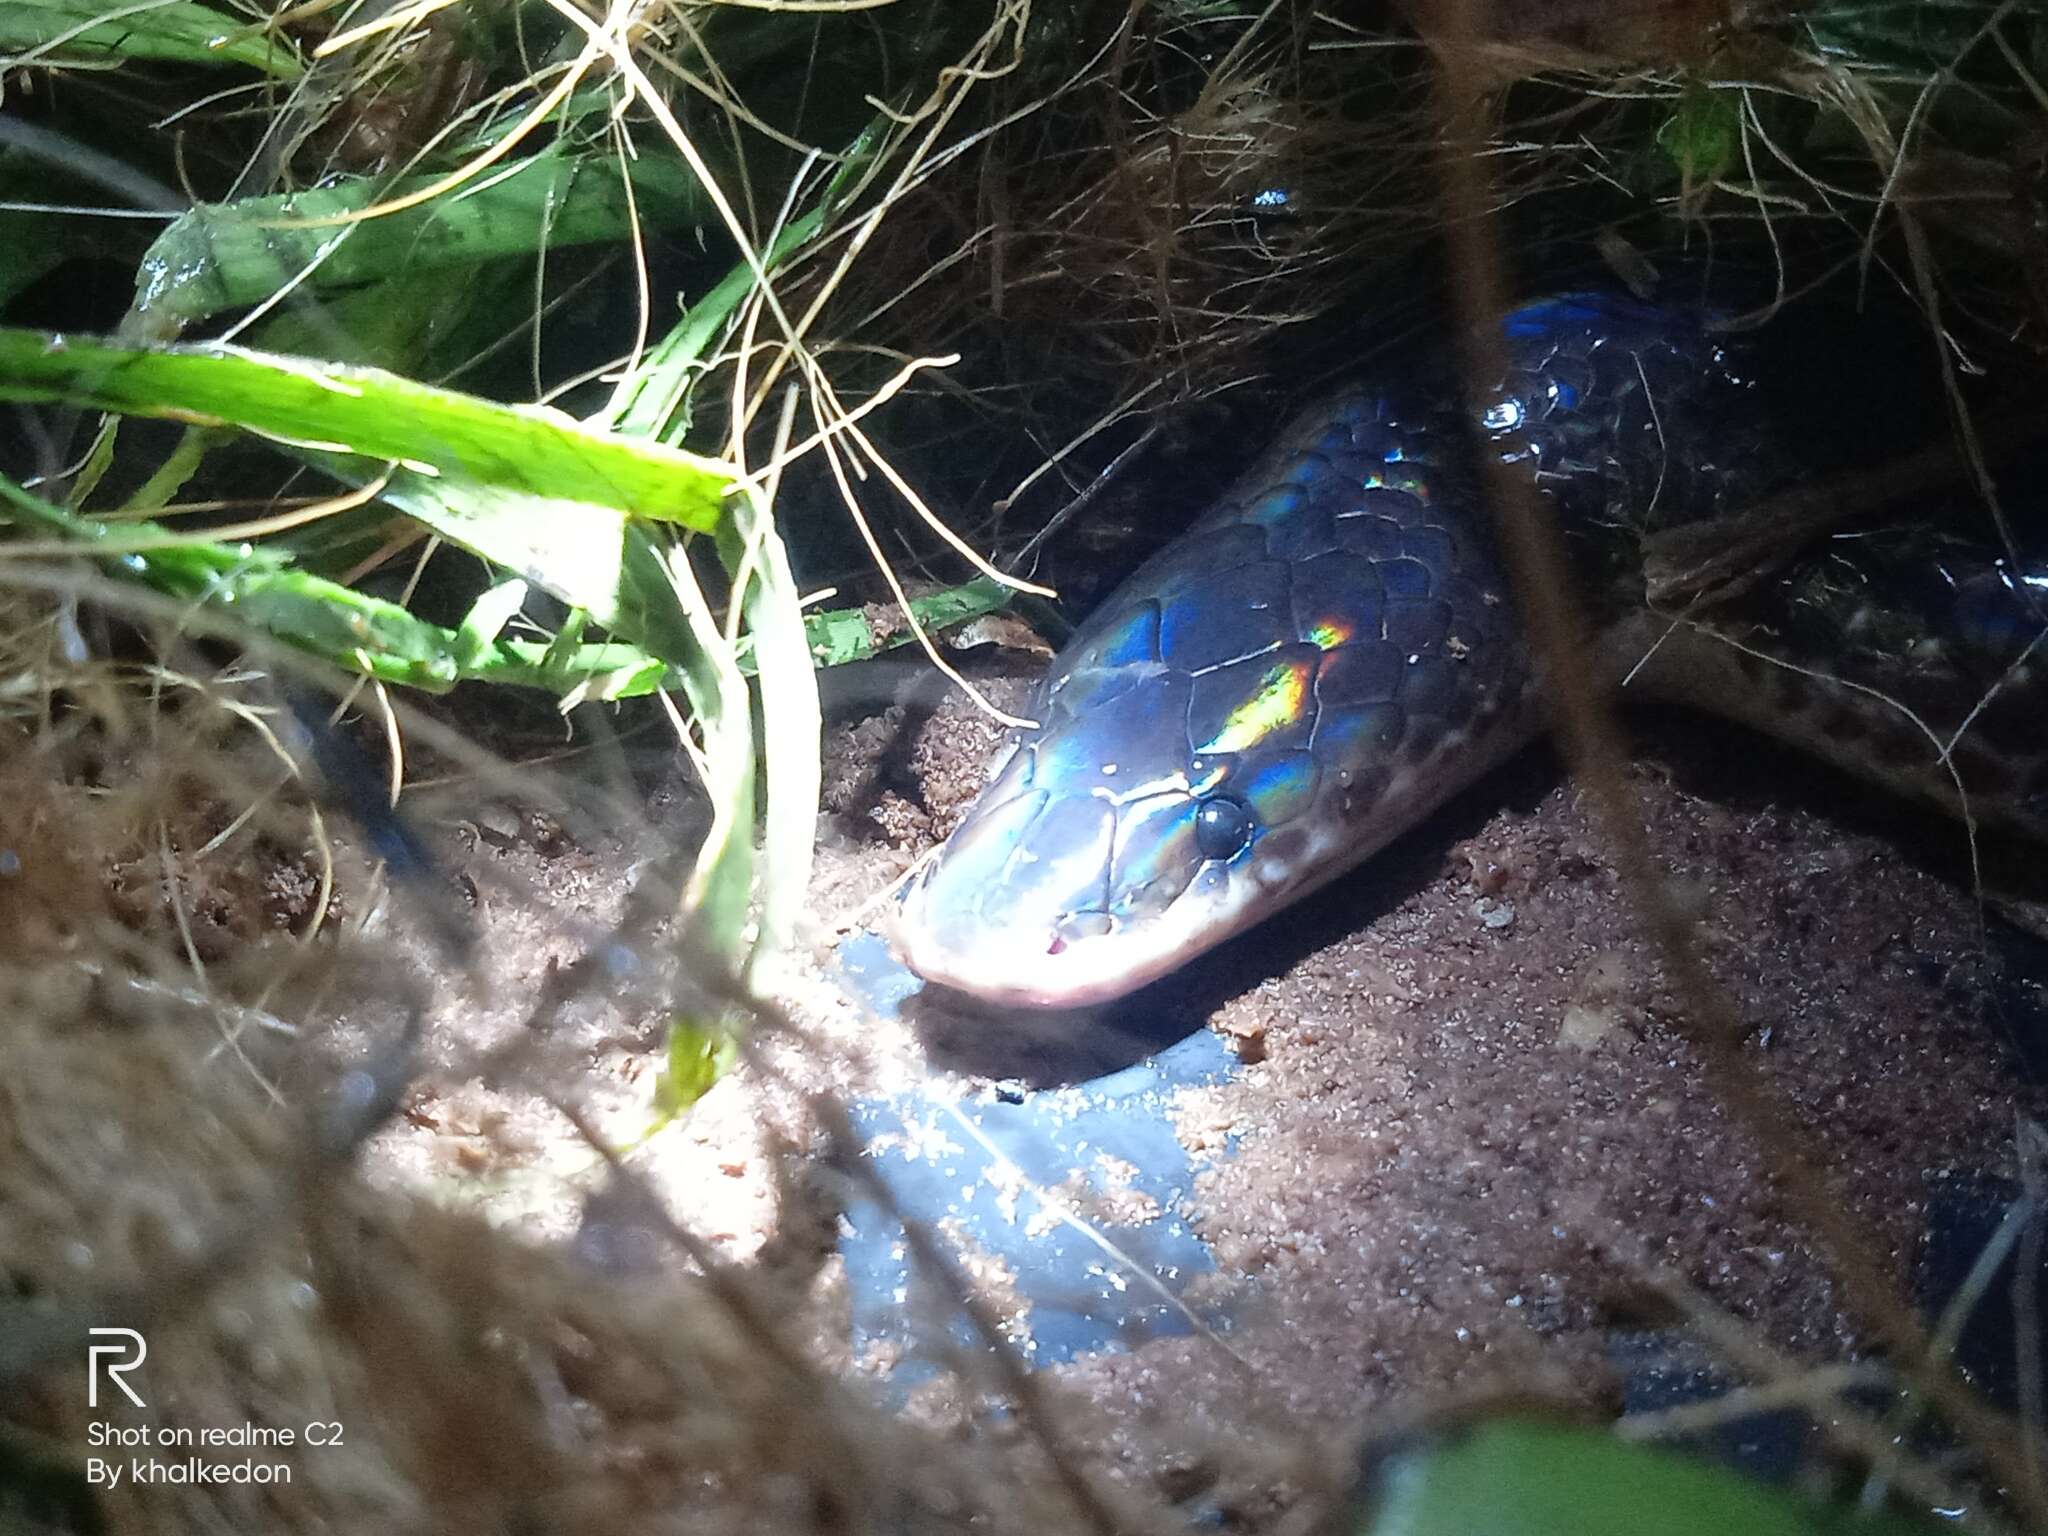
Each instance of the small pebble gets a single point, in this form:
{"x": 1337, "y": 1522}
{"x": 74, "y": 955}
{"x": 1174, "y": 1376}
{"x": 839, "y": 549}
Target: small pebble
{"x": 1182, "y": 1479}
{"x": 1584, "y": 1029}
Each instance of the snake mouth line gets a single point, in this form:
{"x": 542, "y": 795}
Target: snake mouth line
{"x": 1028, "y": 964}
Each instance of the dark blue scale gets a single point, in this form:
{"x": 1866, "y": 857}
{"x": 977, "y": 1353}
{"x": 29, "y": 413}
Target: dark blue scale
{"x": 1481, "y": 609}
{"x": 1152, "y": 717}
{"x": 1220, "y": 698}
{"x": 1374, "y": 535}
{"x": 1133, "y": 638}
{"x": 1223, "y": 617}
{"x": 1365, "y": 671}
{"x": 1352, "y": 735}
{"x": 1404, "y": 576}
{"x": 1432, "y": 685}
{"x": 1307, "y": 469}
{"x": 1092, "y": 688}
{"x": 1083, "y": 828}
{"x": 1434, "y": 548}
{"x": 1416, "y": 625}
{"x": 1280, "y": 788}
{"x": 1298, "y": 521}
{"x": 1339, "y": 592}
{"x": 1155, "y": 853}
{"x": 1377, "y": 439}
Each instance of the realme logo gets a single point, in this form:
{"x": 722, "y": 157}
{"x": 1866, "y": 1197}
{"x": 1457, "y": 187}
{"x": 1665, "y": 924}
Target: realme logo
{"x": 117, "y": 1360}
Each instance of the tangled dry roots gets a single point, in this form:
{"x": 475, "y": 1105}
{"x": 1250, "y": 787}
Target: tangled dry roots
{"x": 169, "y": 1161}
{"x": 480, "y": 1382}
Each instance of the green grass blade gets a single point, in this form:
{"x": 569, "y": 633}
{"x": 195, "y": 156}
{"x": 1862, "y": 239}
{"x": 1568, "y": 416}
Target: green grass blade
{"x": 1525, "y": 1477}
{"x": 722, "y": 882}
{"x": 170, "y": 477}
{"x": 656, "y": 403}
{"x": 439, "y": 434}
{"x": 791, "y": 727}
{"x": 700, "y": 1052}
{"x": 488, "y": 616}
{"x": 227, "y": 256}
{"x": 51, "y": 32}
{"x": 361, "y": 633}
{"x": 841, "y": 636}
{"x": 357, "y": 632}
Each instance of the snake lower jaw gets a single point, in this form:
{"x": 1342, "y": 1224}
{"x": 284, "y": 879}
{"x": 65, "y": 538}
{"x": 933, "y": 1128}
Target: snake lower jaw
{"x": 1004, "y": 976}
{"x": 1027, "y": 963}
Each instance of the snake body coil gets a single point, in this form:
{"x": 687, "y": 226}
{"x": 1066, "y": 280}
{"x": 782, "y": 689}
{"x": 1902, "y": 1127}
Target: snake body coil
{"x": 1330, "y": 652}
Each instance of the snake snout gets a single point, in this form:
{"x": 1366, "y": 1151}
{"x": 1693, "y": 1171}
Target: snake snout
{"x": 1034, "y": 902}
{"x": 1010, "y": 902}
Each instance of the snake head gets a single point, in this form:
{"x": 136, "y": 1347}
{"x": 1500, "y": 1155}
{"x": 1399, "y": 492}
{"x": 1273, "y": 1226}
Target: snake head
{"x": 1106, "y": 850}
{"x": 1322, "y": 658}
{"x": 1056, "y": 896}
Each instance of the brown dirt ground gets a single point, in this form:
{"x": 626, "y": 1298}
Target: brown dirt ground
{"x": 1464, "y": 1072}
{"x": 1468, "y": 1129}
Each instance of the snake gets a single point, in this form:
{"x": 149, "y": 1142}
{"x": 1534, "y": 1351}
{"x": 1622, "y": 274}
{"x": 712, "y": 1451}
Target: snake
{"x": 1332, "y": 650}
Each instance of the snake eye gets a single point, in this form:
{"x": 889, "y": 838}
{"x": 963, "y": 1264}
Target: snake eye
{"x": 1222, "y": 827}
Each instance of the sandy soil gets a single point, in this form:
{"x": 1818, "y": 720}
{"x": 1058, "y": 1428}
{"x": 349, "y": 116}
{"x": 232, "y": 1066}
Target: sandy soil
{"x": 1467, "y": 1135}
{"x": 1469, "y": 1126}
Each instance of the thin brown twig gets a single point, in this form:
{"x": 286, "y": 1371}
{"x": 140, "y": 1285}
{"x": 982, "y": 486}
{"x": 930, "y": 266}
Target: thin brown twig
{"x": 745, "y": 1307}
{"x": 1534, "y": 553}
{"x": 1030, "y": 1396}
{"x": 1877, "y": 1442}
{"x": 1096, "y": 485}
{"x": 2026, "y": 1305}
